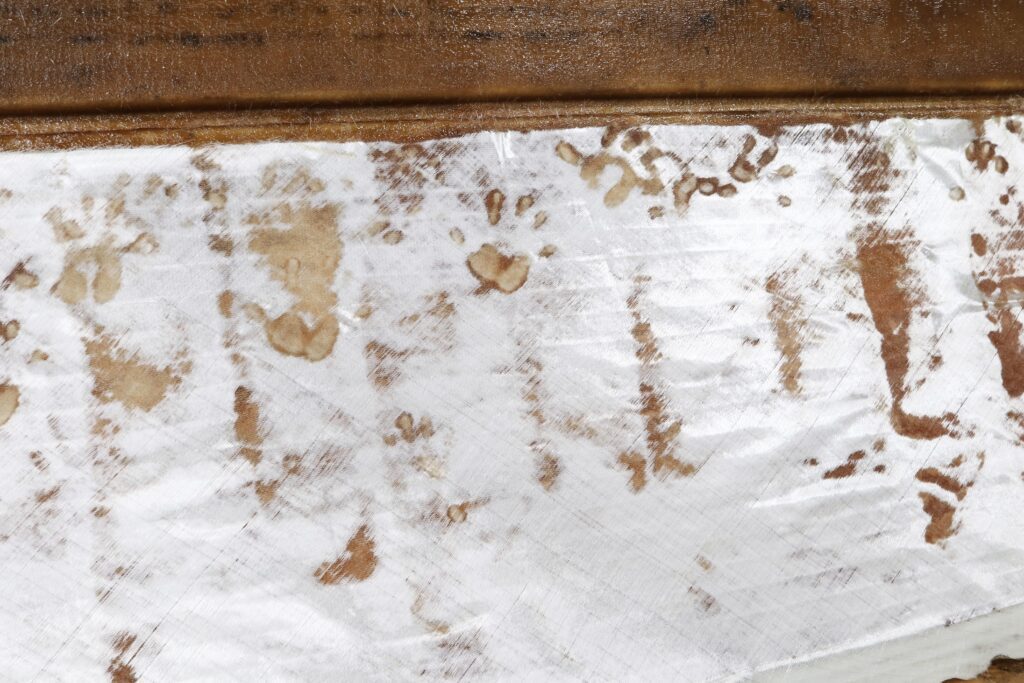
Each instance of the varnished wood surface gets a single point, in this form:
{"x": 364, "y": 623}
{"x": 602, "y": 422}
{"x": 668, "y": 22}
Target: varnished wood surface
{"x": 140, "y": 55}
{"x": 417, "y": 123}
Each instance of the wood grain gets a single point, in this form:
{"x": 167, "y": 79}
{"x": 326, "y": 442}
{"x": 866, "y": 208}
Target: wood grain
{"x": 139, "y": 55}
{"x": 414, "y": 123}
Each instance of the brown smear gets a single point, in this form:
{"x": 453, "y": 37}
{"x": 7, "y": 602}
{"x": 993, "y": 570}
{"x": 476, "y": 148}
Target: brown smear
{"x": 122, "y": 377}
{"x": 304, "y": 258}
{"x": 20, "y": 277}
{"x": 941, "y": 525}
{"x": 660, "y": 428}
{"x": 495, "y": 202}
{"x": 496, "y": 270}
{"x": 1000, "y": 670}
{"x": 635, "y": 463}
{"x": 10, "y": 397}
{"x": 358, "y": 564}
{"x": 247, "y": 427}
{"x": 846, "y": 469}
{"x": 788, "y": 320}
{"x": 405, "y": 170}
{"x": 888, "y": 284}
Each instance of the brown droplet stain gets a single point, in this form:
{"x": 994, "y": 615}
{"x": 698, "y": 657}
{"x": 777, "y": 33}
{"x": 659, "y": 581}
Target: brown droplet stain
{"x": 846, "y": 469}
{"x": 957, "y": 193}
{"x": 979, "y": 244}
{"x": 215, "y": 194}
{"x": 785, "y": 171}
{"x": 886, "y": 278}
{"x": 457, "y": 236}
{"x": 540, "y": 219}
{"x": 247, "y": 425}
{"x": 225, "y": 303}
{"x": 21, "y": 278}
{"x": 122, "y": 377}
{"x": 524, "y": 204}
{"x": 635, "y": 463}
{"x": 47, "y": 495}
{"x": 496, "y": 270}
{"x": 358, "y": 564}
{"x": 788, "y": 320}
{"x": 655, "y": 212}
{"x": 593, "y": 166}
{"x": 9, "y": 330}
{"x": 548, "y": 251}
{"x": 38, "y": 356}
{"x": 410, "y": 431}
{"x": 784, "y": 201}
{"x": 222, "y": 244}
{"x": 980, "y": 152}
{"x": 304, "y": 257}
{"x": 742, "y": 169}
{"x": 393, "y": 237}
{"x": 266, "y": 491}
{"x": 495, "y": 203}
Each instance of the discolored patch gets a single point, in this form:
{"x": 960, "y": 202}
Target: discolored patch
{"x": 494, "y": 201}
{"x": 247, "y": 426}
{"x": 358, "y": 563}
{"x": 10, "y": 398}
{"x": 889, "y": 291}
{"x": 847, "y": 469}
{"x": 788, "y": 320}
{"x": 498, "y": 271}
{"x": 20, "y": 277}
{"x": 123, "y": 377}
{"x": 941, "y": 525}
{"x": 304, "y": 257}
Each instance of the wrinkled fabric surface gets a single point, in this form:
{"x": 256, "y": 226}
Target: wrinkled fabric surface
{"x": 666, "y": 403}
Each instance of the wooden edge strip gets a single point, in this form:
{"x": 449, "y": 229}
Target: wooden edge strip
{"x": 418, "y": 123}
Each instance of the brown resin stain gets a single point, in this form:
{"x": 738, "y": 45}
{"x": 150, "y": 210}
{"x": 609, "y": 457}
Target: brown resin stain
{"x": 873, "y": 174}
{"x": 943, "y": 513}
{"x": 886, "y": 278}
{"x": 635, "y": 463}
{"x": 358, "y": 564}
{"x": 495, "y": 203}
{"x": 404, "y": 172}
{"x": 408, "y": 429}
{"x": 73, "y": 285}
{"x": 1006, "y": 339}
{"x": 743, "y": 169}
{"x": 20, "y": 277}
{"x": 788, "y": 320}
{"x": 548, "y": 471}
{"x": 247, "y": 426}
{"x": 593, "y": 166}
{"x": 981, "y": 152}
{"x": 304, "y": 257}
{"x": 10, "y": 397}
{"x": 123, "y": 377}
{"x": 120, "y": 668}
{"x": 524, "y": 204}
{"x": 941, "y": 525}
{"x": 384, "y": 363}
{"x": 64, "y": 229}
{"x": 9, "y": 330}
{"x": 846, "y": 469}
{"x": 496, "y": 270}
{"x": 1001, "y": 670}
{"x": 221, "y": 244}
{"x": 266, "y": 491}
{"x": 660, "y": 428}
